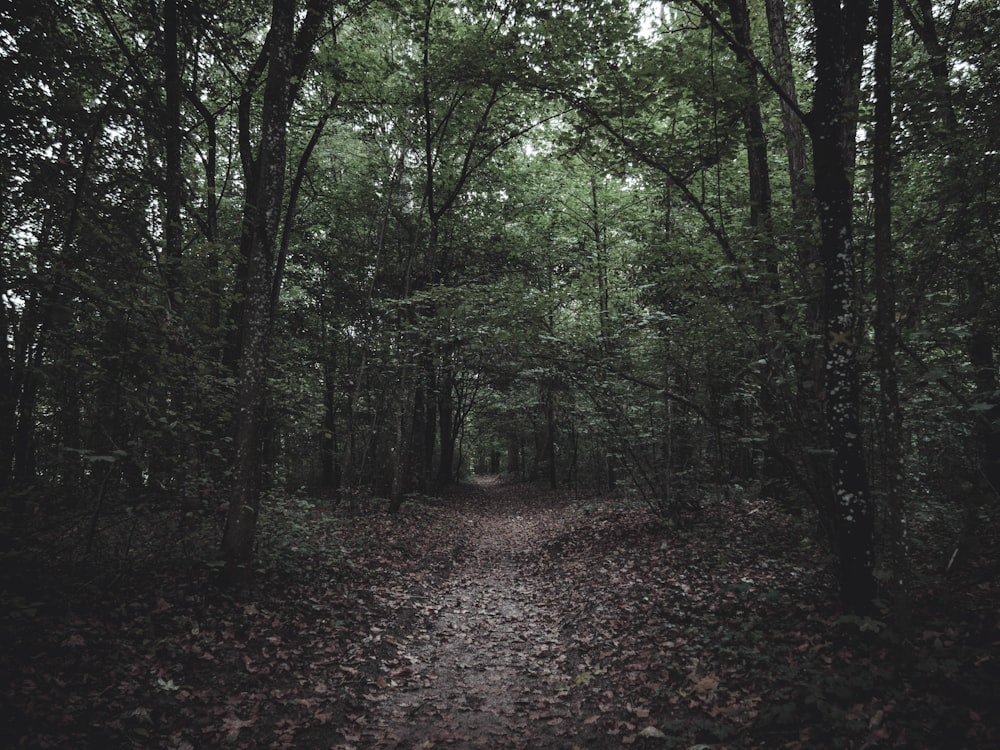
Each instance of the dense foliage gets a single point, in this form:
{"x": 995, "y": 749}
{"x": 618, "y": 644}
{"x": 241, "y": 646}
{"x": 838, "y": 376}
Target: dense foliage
{"x": 367, "y": 249}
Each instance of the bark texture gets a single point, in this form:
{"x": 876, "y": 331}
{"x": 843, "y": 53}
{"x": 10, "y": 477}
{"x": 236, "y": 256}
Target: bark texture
{"x": 840, "y": 35}
{"x": 264, "y": 212}
{"x": 886, "y": 334}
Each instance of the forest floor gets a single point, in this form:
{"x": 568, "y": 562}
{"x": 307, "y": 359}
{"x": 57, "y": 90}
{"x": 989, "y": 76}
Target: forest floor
{"x": 499, "y": 616}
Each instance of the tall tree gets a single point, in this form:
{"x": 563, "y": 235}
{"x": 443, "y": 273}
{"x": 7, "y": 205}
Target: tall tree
{"x": 840, "y": 30}
{"x": 886, "y": 332}
{"x": 174, "y": 192}
{"x": 286, "y": 56}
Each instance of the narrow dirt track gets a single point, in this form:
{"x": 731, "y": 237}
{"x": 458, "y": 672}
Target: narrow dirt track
{"x": 484, "y": 666}
{"x": 499, "y": 616}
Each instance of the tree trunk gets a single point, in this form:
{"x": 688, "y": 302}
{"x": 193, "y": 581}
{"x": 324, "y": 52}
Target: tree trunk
{"x": 804, "y": 455}
{"x": 550, "y": 439}
{"x": 601, "y": 269}
{"x": 173, "y": 227}
{"x": 421, "y": 429}
{"x": 210, "y": 222}
{"x": 886, "y": 335}
{"x": 795, "y": 139}
{"x": 840, "y": 34}
{"x": 286, "y": 56}
{"x": 513, "y": 453}
{"x": 328, "y": 438}
{"x": 758, "y": 168}
{"x": 8, "y": 395}
{"x": 446, "y": 419}
{"x": 264, "y": 212}
{"x": 430, "y": 429}
{"x": 24, "y": 431}
{"x": 765, "y": 252}
{"x": 399, "y": 449}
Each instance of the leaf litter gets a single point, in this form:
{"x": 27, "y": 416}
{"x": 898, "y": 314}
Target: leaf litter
{"x": 500, "y": 616}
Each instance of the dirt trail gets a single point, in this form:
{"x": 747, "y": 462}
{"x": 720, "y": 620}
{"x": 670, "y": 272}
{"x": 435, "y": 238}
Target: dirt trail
{"x": 485, "y": 665}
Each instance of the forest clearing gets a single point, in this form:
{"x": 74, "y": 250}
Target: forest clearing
{"x": 504, "y": 615}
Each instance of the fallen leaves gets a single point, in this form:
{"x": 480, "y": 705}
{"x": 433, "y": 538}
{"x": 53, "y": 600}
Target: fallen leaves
{"x": 508, "y": 614}
{"x": 232, "y": 725}
{"x": 702, "y": 685}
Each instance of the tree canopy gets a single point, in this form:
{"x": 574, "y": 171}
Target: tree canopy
{"x": 378, "y": 247}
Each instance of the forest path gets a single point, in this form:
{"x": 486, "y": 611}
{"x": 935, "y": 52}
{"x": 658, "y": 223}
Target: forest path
{"x": 485, "y": 665}
{"x": 501, "y": 616}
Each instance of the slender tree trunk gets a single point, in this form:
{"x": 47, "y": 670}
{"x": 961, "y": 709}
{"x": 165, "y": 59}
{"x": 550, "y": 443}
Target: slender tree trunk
{"x": 430, "y": 428}
{"x": 286, "y": 58}
{"x": 24, "y": 431}
{"x": 840, "y": 35}
{"x": 550, "y": 439}
{"x": 806, "y": 423}
{"x": 264, "y": 212}
{"x": 765, "y": 250}
{"x": 513, "y": 453}
{"x": 352, "y": 469}
{"x": 886, "y": 335}
{"x": 328, "y": 438}
{"x": 446, "y": 419}
{"x": 251, "y": 177}
{"x": 758, "y": 167}
{"x": 210, "y": 222}
{"x": 795, "y": 138}
{"x": 399, "y": 449}
{"x": 601, "y": 268}
{"x": 30, "y": 347}
{"x": 8, "y": 394}
{"x": 937, "y": 57}
{"x": 173, "y": 227}
{"x": 417, "y": 431}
